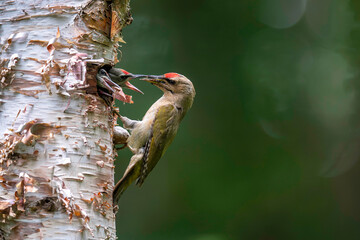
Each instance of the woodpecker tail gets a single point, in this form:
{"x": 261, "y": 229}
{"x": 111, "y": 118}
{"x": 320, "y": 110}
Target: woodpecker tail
{"x": 120, "y": 188}
{"x": 131, "y": 174}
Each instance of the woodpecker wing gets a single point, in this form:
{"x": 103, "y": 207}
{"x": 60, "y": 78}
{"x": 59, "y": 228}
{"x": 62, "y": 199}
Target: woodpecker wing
{"x": 163, "y": 131}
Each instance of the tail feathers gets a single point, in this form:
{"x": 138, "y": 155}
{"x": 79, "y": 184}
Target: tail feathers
{"x": 129, "y": 177}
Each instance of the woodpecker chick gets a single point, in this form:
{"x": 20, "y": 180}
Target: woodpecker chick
{"x": 151, "y": 136}
{"x": 108, "y": 88}
{"x": 122, "y": 78}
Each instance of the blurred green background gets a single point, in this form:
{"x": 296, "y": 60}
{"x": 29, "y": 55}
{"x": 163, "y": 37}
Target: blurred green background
{"x": 271, "y": 145}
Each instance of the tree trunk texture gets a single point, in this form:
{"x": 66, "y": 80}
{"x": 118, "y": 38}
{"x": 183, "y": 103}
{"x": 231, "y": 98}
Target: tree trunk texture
{"x": 56, "y": 133}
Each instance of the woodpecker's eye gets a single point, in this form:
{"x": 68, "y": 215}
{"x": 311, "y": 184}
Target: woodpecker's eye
{"x": 103, "y": 72}
{"x": 172, "y": 82}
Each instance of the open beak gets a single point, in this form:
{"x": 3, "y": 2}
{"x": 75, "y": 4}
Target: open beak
{"x": 104, "y": 81}
{"x": 132, "y": 87}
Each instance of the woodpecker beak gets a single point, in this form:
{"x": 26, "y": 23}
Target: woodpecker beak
{"x": 132, "y": 87}
{"x": 154, "y": 79}
{"x": 133, "y": 76}
{"x": 104, "y": 82}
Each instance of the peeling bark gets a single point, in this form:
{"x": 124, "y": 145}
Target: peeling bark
{"x": 56, "y": 133}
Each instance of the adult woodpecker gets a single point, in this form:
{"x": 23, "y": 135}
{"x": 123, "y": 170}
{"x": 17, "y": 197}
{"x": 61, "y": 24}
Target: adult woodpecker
{"x": 151, "y": 136}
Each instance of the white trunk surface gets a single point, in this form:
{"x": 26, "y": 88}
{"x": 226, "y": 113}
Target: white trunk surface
{"x": 56, "y": 133}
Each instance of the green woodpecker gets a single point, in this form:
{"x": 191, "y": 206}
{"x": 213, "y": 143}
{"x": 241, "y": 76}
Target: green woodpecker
{"x": 151, "y": 136}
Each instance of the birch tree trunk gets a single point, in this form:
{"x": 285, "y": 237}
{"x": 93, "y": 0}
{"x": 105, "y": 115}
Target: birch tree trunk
{"x": 56, "y": 133}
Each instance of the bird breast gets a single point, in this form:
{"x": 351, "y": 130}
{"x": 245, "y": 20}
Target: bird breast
{"x": 140, "y": 135}
{"x": 142, "y": 132}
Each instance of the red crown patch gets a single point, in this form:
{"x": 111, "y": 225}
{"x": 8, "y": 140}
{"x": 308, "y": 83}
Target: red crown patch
{"x": 171, "y": 75}
{"x": 125, "y": 72}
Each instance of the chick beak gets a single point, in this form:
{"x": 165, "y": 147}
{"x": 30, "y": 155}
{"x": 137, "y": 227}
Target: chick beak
{"x": 104, "y": 82}
{"x": 132, "y": 87}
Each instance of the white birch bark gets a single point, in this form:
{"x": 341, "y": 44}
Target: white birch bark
{"x": 56, "y": 133}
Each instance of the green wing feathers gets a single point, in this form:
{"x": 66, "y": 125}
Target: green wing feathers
{"x": 163, "y": 132}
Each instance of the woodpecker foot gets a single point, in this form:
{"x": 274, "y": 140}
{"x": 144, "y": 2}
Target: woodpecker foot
{"x": 120, "y": 136}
